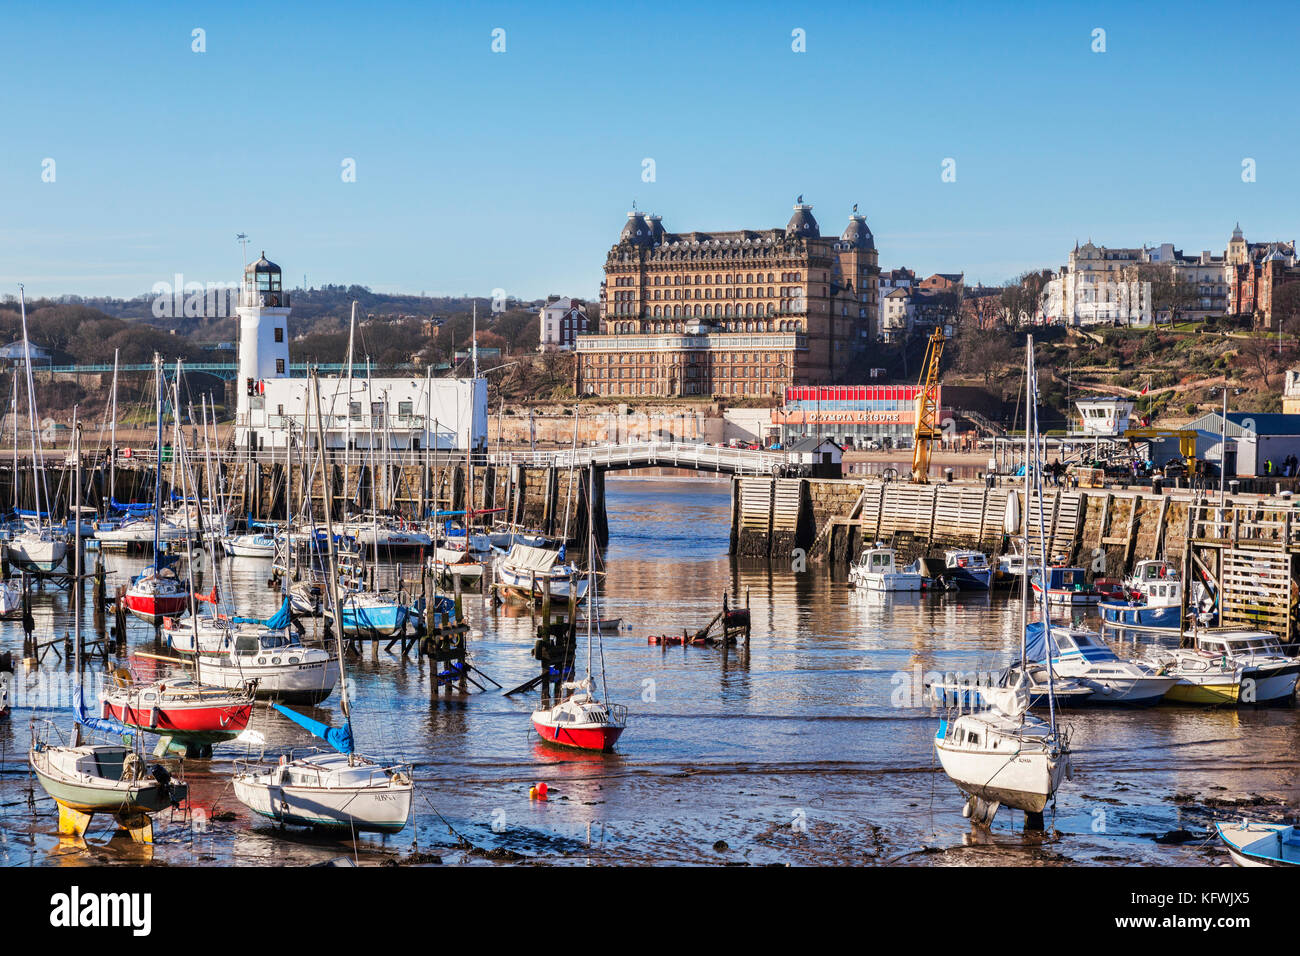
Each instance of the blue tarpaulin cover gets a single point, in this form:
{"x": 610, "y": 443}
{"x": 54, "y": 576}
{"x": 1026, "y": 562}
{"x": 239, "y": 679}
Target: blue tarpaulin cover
{"x": 340, "y": 738}
{"x": 276, "y": 622}
{"x": 106, "y": 725}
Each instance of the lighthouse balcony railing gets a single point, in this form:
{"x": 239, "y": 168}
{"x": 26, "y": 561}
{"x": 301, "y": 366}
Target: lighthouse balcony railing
{"x": 263, "y": 299}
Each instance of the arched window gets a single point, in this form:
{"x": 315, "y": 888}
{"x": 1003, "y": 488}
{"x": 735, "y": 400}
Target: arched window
{"x": 677, "y": 310}
{"x": 728, "y": 308}
{"x": 749, "y": 309}
{"x": 698, "y": 313}
{"x": 708, "y": 311}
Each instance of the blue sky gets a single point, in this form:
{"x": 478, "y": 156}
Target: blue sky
{"x": 478, "y": 170}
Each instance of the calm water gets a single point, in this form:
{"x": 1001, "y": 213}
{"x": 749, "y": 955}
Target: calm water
{"x": 790, "y": 750}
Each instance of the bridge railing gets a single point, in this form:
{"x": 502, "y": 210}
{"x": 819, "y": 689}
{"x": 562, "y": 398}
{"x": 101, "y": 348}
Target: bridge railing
{"x": 698, "y": 456}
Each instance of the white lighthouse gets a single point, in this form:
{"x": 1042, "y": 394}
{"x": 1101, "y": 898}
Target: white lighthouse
{"x": 263, "y": 346}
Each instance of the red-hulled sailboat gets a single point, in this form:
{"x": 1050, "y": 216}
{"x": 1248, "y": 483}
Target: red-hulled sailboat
{"x": 157, "y": 591}
{"x": 582, "y": 719}
{"x": 181, "y": 708}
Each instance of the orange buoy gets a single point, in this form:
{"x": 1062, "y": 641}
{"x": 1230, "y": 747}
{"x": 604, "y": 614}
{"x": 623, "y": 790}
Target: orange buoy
{"x": 532, "y": 793}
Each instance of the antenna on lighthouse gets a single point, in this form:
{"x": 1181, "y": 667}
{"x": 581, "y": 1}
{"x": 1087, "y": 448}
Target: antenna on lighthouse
{"x": 242, "y": 239}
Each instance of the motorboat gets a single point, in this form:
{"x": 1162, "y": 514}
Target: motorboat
{"x": 1084, "y": 656}
{"x": 1261, "y": 844}
{"x": 1203, "y": 678}
{"x": 1268, "y": 674}
{"x": 877, "y": 570}
{"x": 969, "y": 570}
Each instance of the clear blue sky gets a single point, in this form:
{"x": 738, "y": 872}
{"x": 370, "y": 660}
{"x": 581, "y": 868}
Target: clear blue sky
{"x": 478, "y": 170}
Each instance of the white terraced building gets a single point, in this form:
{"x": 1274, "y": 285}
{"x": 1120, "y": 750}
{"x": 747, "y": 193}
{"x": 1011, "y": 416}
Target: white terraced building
{"x": 401, "y": 413}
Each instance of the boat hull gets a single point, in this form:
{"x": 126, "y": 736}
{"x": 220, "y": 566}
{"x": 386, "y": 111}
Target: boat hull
{"x": 1024, "y": 782}
{"x": 153, "y": 608}
{"x": 1211, "y": 692}
{"x": 1269, "y": 685}
{"x": 198, "y": 724}
{"x": 968, "y": 579}
{"x": 889, "y": 581}
{"x": 1259, "y": 844}
{"x": 1139, "y": 616}
{"x": 373, "y": 810}
{"x": 303, "y": 683}
{"x": 599, "y": 738}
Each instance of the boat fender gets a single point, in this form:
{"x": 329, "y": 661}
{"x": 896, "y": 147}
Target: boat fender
{"x": 153, "y": 717}
{"x": 968, "y": 808}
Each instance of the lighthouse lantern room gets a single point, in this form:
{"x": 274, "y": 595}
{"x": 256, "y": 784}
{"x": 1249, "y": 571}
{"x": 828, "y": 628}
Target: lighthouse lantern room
{"x": 263, "y": 343}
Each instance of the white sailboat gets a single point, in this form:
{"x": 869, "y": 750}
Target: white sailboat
{"x": 340, "y": 790}
{"x": 37, "y": 547}
{"x": 86, "y": 778}
{"x": 998, "y": 754}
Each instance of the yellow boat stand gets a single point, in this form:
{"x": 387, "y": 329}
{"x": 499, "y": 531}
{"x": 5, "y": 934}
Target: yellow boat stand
{"x": 73, "y": 822}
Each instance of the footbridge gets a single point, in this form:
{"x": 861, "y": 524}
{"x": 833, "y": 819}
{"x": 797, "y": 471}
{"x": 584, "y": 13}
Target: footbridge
{"x": 654, "y": 454}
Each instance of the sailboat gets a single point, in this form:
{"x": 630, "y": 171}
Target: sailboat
{"x": 36, "y": 548}
{"x": 999, "y": 754}
{"x": 157, "y": 592}
{"x": 86, "y": 778}
{"x": 339, "y": 790}
{"x": 582, "y": 719}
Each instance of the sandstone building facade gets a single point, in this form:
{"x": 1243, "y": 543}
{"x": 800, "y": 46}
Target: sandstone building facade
{"x": 736, "y": 314}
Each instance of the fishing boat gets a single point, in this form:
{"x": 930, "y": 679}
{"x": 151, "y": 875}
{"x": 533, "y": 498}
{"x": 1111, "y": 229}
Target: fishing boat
{"x": 504, "y": 538}
{"x": 876, "y": 570}
{"x": 1261, "y": 844}
{"x": 1082, "y": 655}
{"x": 582, "y": 719}
{"x": 1010, "y": 566}
{"x": 526, "y": 573}
{"x": 1065, "y": 587}
{"x": 84, "y": 778}
{"x": 333, "y": 790}
{"x": 969, "y": 570}
{"x": 1158, "y": 606}
{"x": 1268, "y": 674}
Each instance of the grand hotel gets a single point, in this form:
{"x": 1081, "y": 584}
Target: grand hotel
{"x": 745, "y": 313}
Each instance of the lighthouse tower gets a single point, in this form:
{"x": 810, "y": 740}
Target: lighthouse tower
{"x": 263, "y": 343}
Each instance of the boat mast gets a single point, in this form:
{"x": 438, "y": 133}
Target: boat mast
{"x": 76, "y": 571}
{"x": 112, "y": 439}
{"x": 1031, "y": 424}
{"x": 157, "y": 478}
{"x": 332, "y": 570}
{"x": 13, "y": 410}
{"x": 179, "y": 452}
{"x": 41, "y": 493}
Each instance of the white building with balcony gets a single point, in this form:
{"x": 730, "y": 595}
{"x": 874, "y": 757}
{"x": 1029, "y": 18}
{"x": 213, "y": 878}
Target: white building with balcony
{"x": 406, "y": 413}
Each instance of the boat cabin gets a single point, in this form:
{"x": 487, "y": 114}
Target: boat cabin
{"x": 1064, "y": 579}
{"x": 970, "y": 560}
{"x": 1239, "y": 643}
{"x": 1153, "y": 570}
{"x": 877, "y": 561}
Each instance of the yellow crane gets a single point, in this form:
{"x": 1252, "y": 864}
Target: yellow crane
{"x": 927, "y": 409}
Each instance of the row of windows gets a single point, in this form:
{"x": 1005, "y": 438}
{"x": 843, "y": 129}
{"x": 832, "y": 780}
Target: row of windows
{"x": 753, "y": 358}
{"x": 642, "y": 371}
{"x": 689, "y": 388}
{"x": 631, "y": 328}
